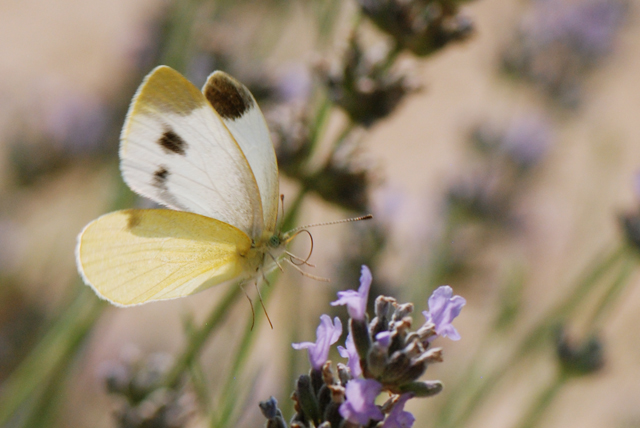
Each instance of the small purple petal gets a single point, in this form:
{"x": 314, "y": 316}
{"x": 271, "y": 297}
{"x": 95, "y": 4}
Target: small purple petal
{"x": 356, "y": 301}
{"x": 398, "y": 417}
{"x": 384, "y": 338}
{"x": 327, "y": 334}
{"x": 360, "y": 406}
{"x": 443, "y": 308}
{"x": 351, "y": 354}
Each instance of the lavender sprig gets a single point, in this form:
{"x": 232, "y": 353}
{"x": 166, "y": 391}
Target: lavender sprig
{"x": 383, "y": 354}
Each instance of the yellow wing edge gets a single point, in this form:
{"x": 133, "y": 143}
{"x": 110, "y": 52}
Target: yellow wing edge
{"x": 199, "y": 281}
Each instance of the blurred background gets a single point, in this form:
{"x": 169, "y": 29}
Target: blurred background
{"x": 496, "y": 144}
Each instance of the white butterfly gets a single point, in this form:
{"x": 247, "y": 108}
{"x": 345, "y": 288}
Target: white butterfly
{"x": 208, "y": 156}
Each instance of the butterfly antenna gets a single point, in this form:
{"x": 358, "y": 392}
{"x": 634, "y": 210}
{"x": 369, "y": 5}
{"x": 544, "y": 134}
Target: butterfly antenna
{"x": 262, "y": 303}
{"x": 253, "y": 313}
{"x": 300, "y": 259}
{"x": 308, "y": 275}
{"x": 290, "y": 234}
{"x": 294, "y": 257}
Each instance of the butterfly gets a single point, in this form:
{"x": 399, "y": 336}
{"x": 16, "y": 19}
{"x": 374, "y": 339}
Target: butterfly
{"x": 207, "y": 155}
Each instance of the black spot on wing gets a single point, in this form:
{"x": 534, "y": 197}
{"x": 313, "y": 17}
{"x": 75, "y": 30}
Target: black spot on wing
{"x": 160, "y": 182}
{"x": 172, "y": 143}
{"x": 160, "y": 178}
{"x": 227, "y": 96}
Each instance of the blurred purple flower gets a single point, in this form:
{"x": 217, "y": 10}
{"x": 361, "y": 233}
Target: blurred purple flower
{"x": 326, "y": 335}
{"x": 356, "y": 301}
{"x": 360, "y": 406}
{"x": 77, "y": 123}
{"x": 353, "y": 359}
{"x": 398, "y": 417}
{"x": 443, "y": 308}
{"x": 587, "y": 26}
{"x": 528, "y": 139}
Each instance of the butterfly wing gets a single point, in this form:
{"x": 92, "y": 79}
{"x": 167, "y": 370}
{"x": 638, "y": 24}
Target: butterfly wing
{"x": 242, "y": 116}
{"x": 136, "y": 256}
{"x": 176, "y": 150}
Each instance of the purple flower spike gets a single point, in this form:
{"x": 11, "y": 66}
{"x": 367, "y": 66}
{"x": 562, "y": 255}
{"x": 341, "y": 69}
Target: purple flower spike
{"x": 360, "y": 406}
{"x": 326, "y": 335}
{"x": 398, "y": 417}
{"x": 351, "y": 353}
{"x": 443, "y": 309}
{"x": 356, "y": 301}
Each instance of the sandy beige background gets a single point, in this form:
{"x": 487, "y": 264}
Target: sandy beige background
{"x": 51, "y": 50}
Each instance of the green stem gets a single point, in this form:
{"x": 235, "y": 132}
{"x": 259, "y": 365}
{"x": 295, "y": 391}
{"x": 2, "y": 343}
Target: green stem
{"x": 198, "y": 379}
{"x": 390, "y": 60}
{"x": 542, "y": 402}
{"x": 50, "y": 355}
{"x": 229, "y": 399}
{"x": 199, "y": 337}
{"x": 229, "y": 403}
{"x": 317, "y": 127}
{"x": 611, "y": 295}
{"x": 48, "y": 404}
{"x": 348, "y": 128}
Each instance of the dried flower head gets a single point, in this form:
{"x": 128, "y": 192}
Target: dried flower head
{"x": 144, "y": 402}
{"x": 363, "y": 85}
{"x": 420, "y": 26}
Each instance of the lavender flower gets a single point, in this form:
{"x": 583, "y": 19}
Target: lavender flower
{"x": 384, "y": 355}
{"x": 398, "y": 417}
{"x": 351, "y": 353}
{"x": 356, "y": 301}
{"x": 443, "y": 308}
{"x": 326, "y": 335}
{"x": 384, "y": 338}
{"x": 527, "y": 140}
{"x": 360, "y": 406}
{"x": 560, "y": 40}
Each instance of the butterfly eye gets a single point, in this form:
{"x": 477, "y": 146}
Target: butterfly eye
{"x": 274, "y": 241}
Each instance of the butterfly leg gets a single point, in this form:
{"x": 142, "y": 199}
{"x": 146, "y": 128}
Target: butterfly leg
{"x": 262, "y": 303}
{"x": 253, "y": 314}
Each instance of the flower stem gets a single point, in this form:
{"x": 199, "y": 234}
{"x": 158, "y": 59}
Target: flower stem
{"x": 49, "y": 357}
{"x": 542, "y": 402}
{"x": 614, "y": 290}
{"x": 199, "y": 337}
{"x": 229, "y": 400}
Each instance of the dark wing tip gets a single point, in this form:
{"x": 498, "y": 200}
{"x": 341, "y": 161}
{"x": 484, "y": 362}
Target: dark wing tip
{"x": 230, "y": 98}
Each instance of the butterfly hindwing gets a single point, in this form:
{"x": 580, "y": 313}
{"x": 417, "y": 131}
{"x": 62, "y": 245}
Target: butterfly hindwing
{"x": 136, "y": 256}
{"x": 242, "y": 116}
{"x": 176, "y": 150}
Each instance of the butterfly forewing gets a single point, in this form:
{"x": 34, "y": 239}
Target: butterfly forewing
{"x": 176, "y": 150}
{"x": 136, "y": 256}
{"x": 242, "y": 116}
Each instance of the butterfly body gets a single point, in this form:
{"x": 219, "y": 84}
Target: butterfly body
{"x": 207, "y": 156}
